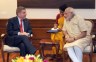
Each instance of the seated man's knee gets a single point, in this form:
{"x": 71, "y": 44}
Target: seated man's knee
{"x": 21, "y": 45}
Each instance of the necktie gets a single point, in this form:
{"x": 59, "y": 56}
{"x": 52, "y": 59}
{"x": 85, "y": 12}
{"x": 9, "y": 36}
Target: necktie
{"x": 21, "y": 27}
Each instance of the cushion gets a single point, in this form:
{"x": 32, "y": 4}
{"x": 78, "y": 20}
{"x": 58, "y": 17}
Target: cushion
{"x": 11, "y": 49}
{"x": 87, "y": 49}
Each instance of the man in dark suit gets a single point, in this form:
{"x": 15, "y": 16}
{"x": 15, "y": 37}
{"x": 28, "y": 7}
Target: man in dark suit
{"x": 18, "y": 30}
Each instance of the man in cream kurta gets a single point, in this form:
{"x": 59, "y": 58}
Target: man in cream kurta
{"x": 77, "y": 38}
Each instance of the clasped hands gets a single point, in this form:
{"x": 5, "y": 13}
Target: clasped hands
{"x": 69, "y": 39}
{"x": 23, "y": 33}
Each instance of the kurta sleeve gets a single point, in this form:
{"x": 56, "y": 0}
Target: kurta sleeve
{"x": 82, "y": 24}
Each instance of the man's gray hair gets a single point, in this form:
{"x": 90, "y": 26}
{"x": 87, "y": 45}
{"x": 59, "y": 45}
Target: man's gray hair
{"x": 70, "y": 9}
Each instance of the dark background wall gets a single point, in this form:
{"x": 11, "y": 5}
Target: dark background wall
{"x": 56, "y": 3}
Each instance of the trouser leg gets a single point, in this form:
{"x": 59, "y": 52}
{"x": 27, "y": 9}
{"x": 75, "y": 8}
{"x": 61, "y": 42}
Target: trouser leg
{"x": 72, "y": 54}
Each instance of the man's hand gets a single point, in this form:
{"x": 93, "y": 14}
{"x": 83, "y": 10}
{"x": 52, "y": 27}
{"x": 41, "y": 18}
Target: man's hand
{"x": 55, "y": 26}
{"x": 70, "y": 39}
{"x": 67, "y": 36}
{"x": 60, "y": 29}
{"x": 24, "y": 33}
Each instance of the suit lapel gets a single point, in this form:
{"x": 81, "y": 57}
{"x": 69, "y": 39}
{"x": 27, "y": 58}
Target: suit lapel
{"x": 18, "y": 25}
{"x": 24, "y": 22}
{"x": 17, "y": 22}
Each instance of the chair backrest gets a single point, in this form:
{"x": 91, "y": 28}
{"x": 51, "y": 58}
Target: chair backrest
{"x": 89, "y": 31}
{"x": 90, "y": 26}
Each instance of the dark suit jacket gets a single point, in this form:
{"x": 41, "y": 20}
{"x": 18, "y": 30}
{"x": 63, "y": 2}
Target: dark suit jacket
{"x": 13, "y": 28}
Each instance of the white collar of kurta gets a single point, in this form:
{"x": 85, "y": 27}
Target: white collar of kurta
{"x": 72, "y": 19}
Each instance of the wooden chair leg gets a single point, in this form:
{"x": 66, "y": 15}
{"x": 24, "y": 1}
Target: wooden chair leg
{"x": 8, "y": 57}
{"x": 63, "y": 56}
{"x": 70, "y": 60}
{"x": 66, "y": 56}
{"x": 57, "y": 49}
{"x": 90, "y": 57}
{"x": 42, "y": 51}
{"x": 3, "y": 57}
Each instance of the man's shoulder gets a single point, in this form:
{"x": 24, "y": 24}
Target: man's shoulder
{"x": 12, "y": 19}
{"x": 78, "y": 17}
{"x": 26, "y": 20}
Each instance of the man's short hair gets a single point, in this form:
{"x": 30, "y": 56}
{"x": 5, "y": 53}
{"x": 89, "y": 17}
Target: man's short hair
{"x": 19, "y": 9}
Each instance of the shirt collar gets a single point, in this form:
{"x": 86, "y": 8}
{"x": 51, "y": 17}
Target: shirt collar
{"x": 18, "y": 18}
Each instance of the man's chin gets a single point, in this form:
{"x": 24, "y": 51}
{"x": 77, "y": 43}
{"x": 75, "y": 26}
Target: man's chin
{"x": 24, "y": 17}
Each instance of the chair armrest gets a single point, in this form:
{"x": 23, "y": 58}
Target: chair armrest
{"x": 2, "y": 40}
{"x": 93, "y": 41}
{"x": 31, "y": 35}
{"x": 93, "y": 36}
{"x": 3, "y": 36}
